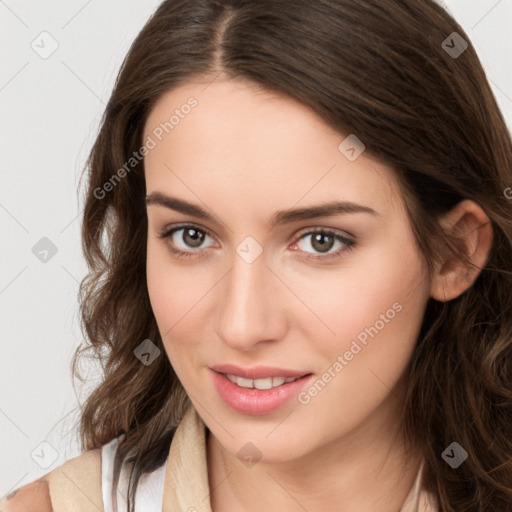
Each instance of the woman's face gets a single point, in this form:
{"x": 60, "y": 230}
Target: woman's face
{"x": 339, "y": 296}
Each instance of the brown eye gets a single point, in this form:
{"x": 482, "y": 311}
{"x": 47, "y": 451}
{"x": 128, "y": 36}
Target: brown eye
{"x": 182, "y": 239}
{"x": 322, "y": 242}
{"x": 193, "y": 237}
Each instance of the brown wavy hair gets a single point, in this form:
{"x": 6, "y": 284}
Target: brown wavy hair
{"x": 378, "y": 70}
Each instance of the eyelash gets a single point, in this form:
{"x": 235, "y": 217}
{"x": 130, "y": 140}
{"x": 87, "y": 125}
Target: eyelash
{"x": 349, "y": 244}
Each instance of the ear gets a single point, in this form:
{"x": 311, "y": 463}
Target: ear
{"x": 470, "y": 225}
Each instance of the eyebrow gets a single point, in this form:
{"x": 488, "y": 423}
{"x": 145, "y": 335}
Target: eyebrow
{"x": 279, "y": 218}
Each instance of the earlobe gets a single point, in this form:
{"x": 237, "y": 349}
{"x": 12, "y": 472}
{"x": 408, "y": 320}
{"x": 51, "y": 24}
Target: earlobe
{"x": 469, "y": 224}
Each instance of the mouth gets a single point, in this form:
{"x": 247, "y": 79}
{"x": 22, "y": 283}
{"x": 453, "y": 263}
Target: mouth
{"x": 261, "y": 384}
{"x": 258, "y": 372}
{"x": 258, "y": 396}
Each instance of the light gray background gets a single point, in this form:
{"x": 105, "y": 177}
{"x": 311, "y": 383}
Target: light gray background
{"x": 50, "y": 110}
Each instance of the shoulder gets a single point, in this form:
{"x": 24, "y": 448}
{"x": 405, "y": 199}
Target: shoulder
{"x": 31, "y": 497}
{"x": 74, "y": 485}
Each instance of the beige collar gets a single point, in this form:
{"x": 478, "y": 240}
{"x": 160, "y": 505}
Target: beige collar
{"x": 186, "y": 479}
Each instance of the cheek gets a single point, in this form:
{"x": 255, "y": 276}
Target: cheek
{"x": 371, "y": 310}
{"x": 168, "y": 298}
{"x": 170, "y": 287}
{"x": 376, "y": 314}
{"x": 177, "y": 294}
{"x": 159, "y": 282}
{"x": 168, "y": 293}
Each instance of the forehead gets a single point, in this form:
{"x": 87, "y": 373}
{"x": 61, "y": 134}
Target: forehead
{"x": 231, "y": 140}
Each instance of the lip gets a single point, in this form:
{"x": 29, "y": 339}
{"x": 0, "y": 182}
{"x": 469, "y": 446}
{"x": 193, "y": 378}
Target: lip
{"x": 257, "y": 401}
{"x": 258, "y": 372}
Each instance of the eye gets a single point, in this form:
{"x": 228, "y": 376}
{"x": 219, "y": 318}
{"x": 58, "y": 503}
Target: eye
{"x": 186, "y": 236}
{"x": 323, "y": 240}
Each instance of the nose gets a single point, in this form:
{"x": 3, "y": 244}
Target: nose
{"x": 248, "y": 308}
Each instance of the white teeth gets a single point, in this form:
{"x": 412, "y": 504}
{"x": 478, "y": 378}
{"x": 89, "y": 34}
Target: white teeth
{"x": 277, "y": 381}
{"x": 269, "y": 382}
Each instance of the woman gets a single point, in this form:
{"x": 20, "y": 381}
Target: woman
{"x": 303, "y": 301}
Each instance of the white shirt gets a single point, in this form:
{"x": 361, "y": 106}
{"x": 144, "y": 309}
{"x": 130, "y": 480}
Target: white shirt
{"x": 150, "y": 491}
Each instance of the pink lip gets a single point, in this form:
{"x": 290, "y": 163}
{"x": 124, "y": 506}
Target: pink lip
{"x": 258, "y": 372}
{"x": 257, "y": 401}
